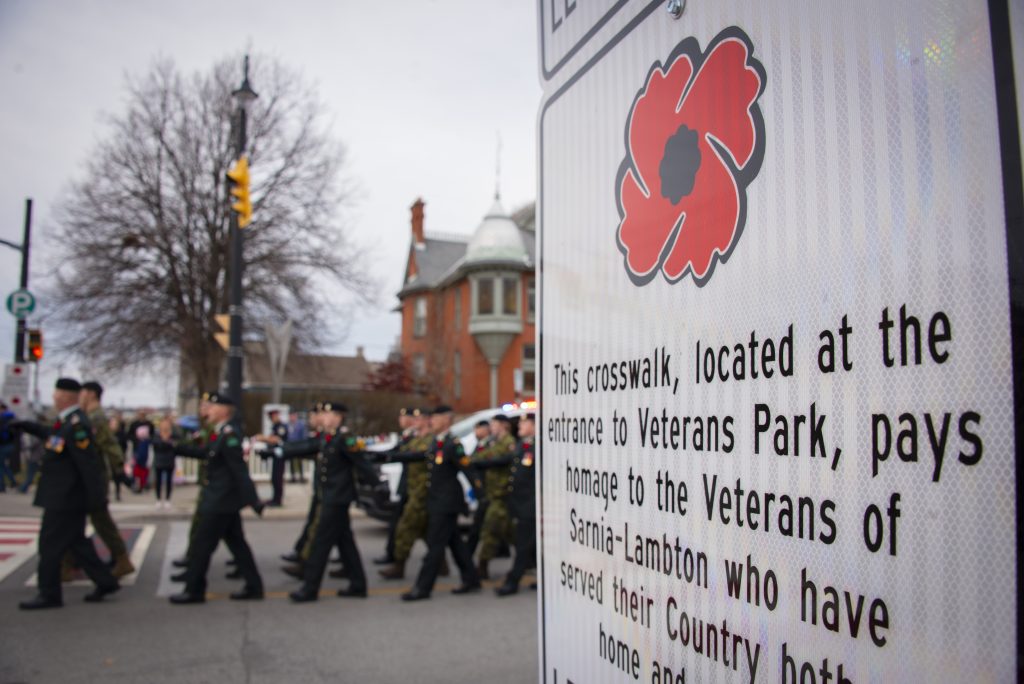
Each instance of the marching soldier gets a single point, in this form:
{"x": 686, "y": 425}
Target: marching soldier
{"x": 296, "y": 555}
{"x": 405, "y": 422}
{"x": 522, "y": 503}
{"x": 482, "y": 432}
{"x": 227, "y": 488}
{"x": 338, "y": 456}
{"x": 497, "y": 525}
{"x": 412, "y": 524}
{"x": 445, "y": 500}
{"x": 71, "y": 485}
{"x": 112, "y": 461}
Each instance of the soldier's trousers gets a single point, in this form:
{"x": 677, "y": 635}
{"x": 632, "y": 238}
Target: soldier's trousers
{"x": 64, "y": 531}
{"x": 526, "y": 550}
{"x": 443, "y": 531}
{"x": 300, "y": 543}
{"x": 210, "y": 529}
{"x": 497, "y": 528}
{"x": 334, "y": 528}
{"x": 411, "y": 526}
{"x": 106, "y": 530}
{"x": 473, "y": 538}
{"x": 389, "y": 548}
{"x": 309, "y": 535}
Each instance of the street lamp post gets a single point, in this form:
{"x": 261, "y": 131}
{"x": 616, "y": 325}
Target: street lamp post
{"x": 19, "y": 335}
{"x": 243, "y": 97}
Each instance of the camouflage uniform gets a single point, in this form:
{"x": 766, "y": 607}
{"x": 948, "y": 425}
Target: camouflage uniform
{"x": 497, "y": 523}
{"x": 413, "y": 523}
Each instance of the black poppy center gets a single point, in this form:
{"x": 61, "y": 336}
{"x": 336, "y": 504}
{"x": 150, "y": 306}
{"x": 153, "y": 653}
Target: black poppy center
{"x": 678, "y": 169}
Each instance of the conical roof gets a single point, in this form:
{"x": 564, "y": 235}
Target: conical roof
{"x": 496, "y": 239}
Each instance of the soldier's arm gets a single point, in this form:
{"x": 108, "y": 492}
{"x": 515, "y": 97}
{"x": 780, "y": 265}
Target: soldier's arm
{"x": 231, "y": 451}
{"x": 107, "y": 446}
{"x": 305, "y": 448}
{"x": 399, "y": 456}
{"x": 496, "y": 461}
{"x": 361, "y": 461}
{"x": 191, "y": 451}
{"x": 35, "y": 429}
{"x": 87, "y": 460}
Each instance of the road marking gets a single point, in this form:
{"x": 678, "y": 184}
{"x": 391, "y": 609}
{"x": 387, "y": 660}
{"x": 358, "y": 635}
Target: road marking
{"x": 177, "y": 544}
{"x": 17, "y": 543}
{"x": 137, "y": 538}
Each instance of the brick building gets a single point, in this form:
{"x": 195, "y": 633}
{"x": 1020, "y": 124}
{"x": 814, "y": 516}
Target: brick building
{"x": 467, "y": 310}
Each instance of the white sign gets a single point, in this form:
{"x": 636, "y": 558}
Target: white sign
{"x": 15, "y": 389}
{"x": 777, "y": 409}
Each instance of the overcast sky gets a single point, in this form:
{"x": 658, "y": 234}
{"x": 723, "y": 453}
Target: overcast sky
{"x": 418, "y": 91}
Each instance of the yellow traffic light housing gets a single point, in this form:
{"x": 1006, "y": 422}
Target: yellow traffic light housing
{"x": 35, "y": 345}
{"x": 223, "y": 338}
{"x": 239, "y": 175}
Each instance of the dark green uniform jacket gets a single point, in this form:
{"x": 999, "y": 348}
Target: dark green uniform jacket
{"x": 445, "y": 459}
{"x": 522, "y": 498}
{"x": 227, "y": 487}
{"x": 338, "y": 458}
{"x": 71, "y": 472}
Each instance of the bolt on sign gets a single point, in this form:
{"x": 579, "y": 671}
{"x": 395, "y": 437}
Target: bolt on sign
{"x": 780, "y": 341}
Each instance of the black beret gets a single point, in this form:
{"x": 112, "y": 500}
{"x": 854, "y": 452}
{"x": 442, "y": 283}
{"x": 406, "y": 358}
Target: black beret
{"x": 441, "y": 410}
{"x": 218, "y": 398}
{"x": 501, "y": 418}
{"x": 416, "y": 413}
{"x": 483, "y": 424}
{"x": 69, "y": 384}
{"x": 94, "y": 387}
{"x": 334, "y": 406}
{"x": 532, "y": 417}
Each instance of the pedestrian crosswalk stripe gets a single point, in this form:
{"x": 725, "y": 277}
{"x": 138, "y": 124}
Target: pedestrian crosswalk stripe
{"x": 17, "y": 543}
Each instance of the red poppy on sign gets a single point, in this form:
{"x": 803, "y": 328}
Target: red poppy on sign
{"x": 694, "y": 142}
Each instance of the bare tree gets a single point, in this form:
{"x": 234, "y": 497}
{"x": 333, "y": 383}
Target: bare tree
{"x": 143, "y": 237}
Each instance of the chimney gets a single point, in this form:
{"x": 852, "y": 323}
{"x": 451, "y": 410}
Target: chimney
{"x": 417, "y": 222}
{"x": 359, "y": 352}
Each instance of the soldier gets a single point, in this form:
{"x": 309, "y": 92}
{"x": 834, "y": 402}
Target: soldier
{"x": 445, "y": 500}
{"x": 338, "y": 456}
{"x": 112, "y": 460}
{"x": 295, "y": 556}
{"x": 497, "y": 525}
{"x": 482, "y": 432}
{"x": 412, "y": 524}
{"x": 407, "y": 434}
{"x": 227, "y": 488}
{"x": 522, "y": 503}
{"x": 278, "y": 435}
{"x": 71, "y": 485}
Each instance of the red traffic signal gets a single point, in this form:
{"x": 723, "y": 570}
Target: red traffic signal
{"x": 35, "y": 345}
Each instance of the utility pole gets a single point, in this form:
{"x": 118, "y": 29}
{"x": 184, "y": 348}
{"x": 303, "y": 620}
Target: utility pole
{"x": 243, "y": 96}
{"x": 19, "y": 335}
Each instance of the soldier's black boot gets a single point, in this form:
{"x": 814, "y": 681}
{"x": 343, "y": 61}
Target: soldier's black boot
{"x": 340, "y": 573}
{"x": 179, "y": 577}
{"x": 395, "y": 572}
{"x": 40, "y": 602}
{"x": 352, "y": 593}
{"x": 97, "y": 594}
{"x": 303, "y": 595}
{"x": 297, "y": 571}
{"x": 507, "y": 589}
{"x": 247, "y": 594}
{"x": 467, "y": 588}
{"x": 415, "y": 595}
{"x": 383, "y": 560}
{"x": 185, "y": 597}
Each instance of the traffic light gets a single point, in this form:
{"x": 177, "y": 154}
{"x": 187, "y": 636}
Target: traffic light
{"x": 224, "y": 337}
{"x": 35, "y": 345}
{"x": 239, "y": 174}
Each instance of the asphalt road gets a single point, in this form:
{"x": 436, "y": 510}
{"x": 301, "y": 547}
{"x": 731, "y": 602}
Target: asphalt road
{"x": 137, "y": 636}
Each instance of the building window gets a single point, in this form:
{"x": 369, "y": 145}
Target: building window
{"x": 457, "y": 372}
{"x": 509, "y": 296}
{"x": 485, "y": 296}
{"x": 419, "y": 365}
{"x": 457, "y": 296}
{"x": 531, "y": 296}
{"x": 419, "y": 322}
{"x": 529, "y": 382}
{"x": 529, "y": 353}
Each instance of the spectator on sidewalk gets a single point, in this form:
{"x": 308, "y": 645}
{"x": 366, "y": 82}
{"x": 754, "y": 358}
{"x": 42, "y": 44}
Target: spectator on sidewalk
{"x": 163, "y": 462}
{"x": 141, "y": 433}
{"x": 120, "y": 433}
{"x": 8, "y": 447}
